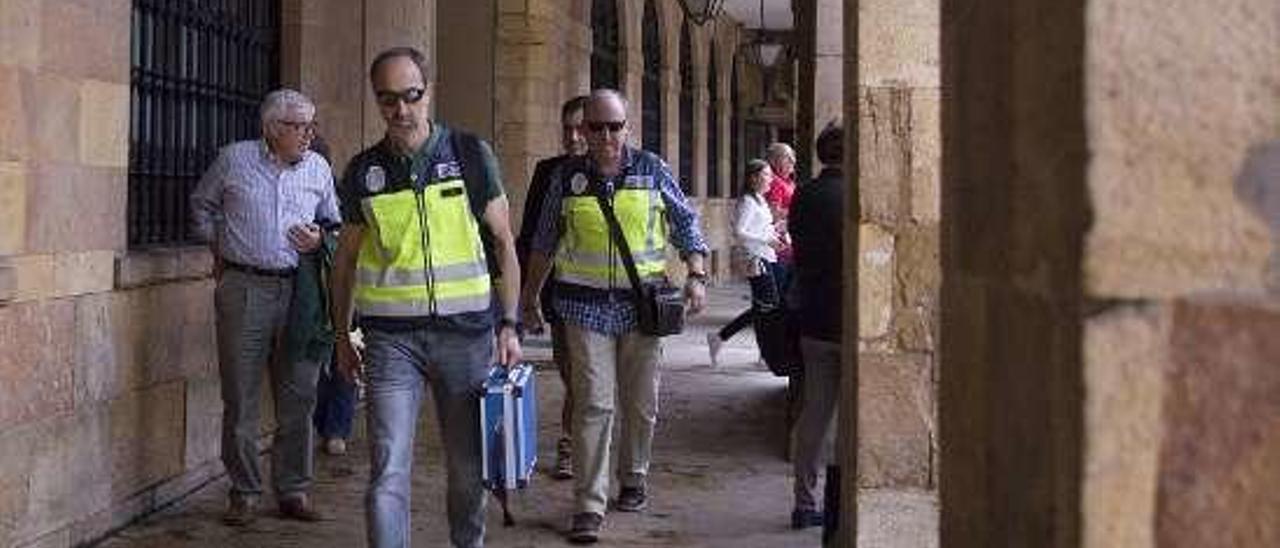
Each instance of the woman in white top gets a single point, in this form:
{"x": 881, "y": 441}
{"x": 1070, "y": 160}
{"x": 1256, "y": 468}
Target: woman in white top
{"x": 753, "y": 253}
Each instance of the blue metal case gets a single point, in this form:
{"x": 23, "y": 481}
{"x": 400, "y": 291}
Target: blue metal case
{"x": 509, "y": 427}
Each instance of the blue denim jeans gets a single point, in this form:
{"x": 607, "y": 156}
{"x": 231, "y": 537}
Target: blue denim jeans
{"x": 335, "y": 404}
{"x": 399, "y": 366}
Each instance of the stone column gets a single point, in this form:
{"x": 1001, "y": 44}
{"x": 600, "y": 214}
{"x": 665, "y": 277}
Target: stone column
{"x": 899, "y": 270}
{"x": 701, "y": 96}
{"x": 1105, "y": 258}
{"x": 542, "y": 59}
{"x": 819, "y": 32}
{"x": 466, "y": 66}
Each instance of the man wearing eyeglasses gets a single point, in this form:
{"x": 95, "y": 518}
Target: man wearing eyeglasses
{"x": 259, "y": 206}
{"x": 419, "y": 207}
{"x": 593, "y": 297}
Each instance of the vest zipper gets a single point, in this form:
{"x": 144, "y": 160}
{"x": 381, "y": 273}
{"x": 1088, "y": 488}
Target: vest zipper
{"x": 425, "y": 234}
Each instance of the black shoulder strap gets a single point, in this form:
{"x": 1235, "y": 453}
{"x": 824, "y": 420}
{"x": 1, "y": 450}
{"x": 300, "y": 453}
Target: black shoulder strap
{"x": 620, "y": 240}
{"x": 476, "y": 178}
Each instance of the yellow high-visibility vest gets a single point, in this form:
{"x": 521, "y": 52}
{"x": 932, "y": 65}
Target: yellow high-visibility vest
{"x": 587, "y": 255}
{"x": 422, "y": 254}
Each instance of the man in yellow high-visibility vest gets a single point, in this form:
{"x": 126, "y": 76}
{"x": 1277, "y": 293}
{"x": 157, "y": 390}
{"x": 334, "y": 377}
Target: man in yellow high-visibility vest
{"x": 594, "y": 298}
{"x": 420, "y": 205}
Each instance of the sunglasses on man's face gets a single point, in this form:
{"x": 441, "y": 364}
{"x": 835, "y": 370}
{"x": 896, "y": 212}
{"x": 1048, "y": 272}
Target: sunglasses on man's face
{"x": 613, "y": 127}
{"x": 393, "y": 98}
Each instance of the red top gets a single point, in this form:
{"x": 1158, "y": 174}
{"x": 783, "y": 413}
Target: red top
{"x": 781, "y": 189}
{"x": 779, "y": 196}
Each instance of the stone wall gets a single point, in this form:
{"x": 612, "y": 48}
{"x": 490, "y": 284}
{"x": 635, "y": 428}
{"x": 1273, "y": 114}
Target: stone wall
{"x": 1108, "y": 369}
{"x": 899, "y": 271}
{"x": 109, "y": 398}
{"x": 1176, "y": 261}
{"x": 107, "y": 393}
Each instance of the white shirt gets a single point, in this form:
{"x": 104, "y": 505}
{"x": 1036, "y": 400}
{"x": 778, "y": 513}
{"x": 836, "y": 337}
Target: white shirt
{"x": 753, "y": 227}
{"x": 248, "y": 199}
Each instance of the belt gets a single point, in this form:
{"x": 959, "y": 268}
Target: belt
{"x": 274, "y": 272}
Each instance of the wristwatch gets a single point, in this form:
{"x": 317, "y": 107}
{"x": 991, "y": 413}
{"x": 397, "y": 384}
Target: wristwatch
{"x": 515, "y": 325}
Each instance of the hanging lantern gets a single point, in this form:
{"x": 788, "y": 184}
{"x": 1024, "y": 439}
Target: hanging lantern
{"x": 701, "y": 11}
{"x": 766, "y": 54}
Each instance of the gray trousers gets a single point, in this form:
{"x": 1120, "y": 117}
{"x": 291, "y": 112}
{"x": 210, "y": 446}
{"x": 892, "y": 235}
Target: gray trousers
{"x": 815, "y": 428}
{"x": 251, "y": 314}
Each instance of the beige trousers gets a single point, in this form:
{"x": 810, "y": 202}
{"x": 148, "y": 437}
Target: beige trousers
{"x": 603, "y": 368}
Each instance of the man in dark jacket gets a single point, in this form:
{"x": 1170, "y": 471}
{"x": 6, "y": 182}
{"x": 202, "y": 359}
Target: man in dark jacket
{"x": 574, "y": 143}
{"x": 817, "y": 227}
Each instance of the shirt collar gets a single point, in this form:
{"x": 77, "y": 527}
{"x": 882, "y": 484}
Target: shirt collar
{"x": 270, "y": 157}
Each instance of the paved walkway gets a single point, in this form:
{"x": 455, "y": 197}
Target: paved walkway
{"x": 719, "y": 478}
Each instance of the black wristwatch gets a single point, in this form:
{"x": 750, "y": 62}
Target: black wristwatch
{"x": 515, "y": 325}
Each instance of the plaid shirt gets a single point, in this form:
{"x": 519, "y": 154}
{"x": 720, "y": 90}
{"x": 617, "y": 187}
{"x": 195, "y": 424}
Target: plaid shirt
{"x": 607, "y": 313}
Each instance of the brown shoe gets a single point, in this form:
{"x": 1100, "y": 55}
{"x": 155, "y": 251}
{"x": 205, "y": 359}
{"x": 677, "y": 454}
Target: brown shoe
{"x": 240, "y": 511}
{"x": 298, "y": 508}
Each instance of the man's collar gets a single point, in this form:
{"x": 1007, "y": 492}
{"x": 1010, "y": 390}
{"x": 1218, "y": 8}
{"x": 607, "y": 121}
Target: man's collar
{"x": 269, "y": 156}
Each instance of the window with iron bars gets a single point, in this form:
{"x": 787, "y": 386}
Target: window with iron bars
{"x": 199, "y": 70}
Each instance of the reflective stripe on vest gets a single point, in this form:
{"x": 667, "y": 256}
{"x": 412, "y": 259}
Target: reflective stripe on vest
{"x": 588, "y": 257}
{"x": 405, "y": 271}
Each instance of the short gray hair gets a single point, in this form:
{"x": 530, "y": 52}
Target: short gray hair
{"x": 779, "y": 150}
{"x": 277, "y": 103}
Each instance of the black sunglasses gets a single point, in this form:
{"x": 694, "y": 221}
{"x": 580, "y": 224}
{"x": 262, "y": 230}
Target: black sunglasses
{"x": 613, "y": 127}
{"x": 393, "y": 98}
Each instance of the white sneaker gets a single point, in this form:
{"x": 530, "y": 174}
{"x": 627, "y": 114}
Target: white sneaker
{"x": 713, "y": 344}
{"x": 335, "y": 446}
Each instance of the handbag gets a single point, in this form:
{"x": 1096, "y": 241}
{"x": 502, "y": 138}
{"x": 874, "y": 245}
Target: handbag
{"x": 659, "y": 305}
{"x": 742, "y": 263}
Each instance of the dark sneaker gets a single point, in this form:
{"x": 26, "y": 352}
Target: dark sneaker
{"x": 564, "y": 461}
{"x": 632, "y": 499}
{"x": 298, "y": 508}
{"x": 802, "y": 519}
{"x": 240, "y": 511}
{"x": 585, "y": 528}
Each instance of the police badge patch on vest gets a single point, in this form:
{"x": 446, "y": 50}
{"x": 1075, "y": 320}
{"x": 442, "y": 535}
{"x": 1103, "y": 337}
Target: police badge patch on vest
{"x": 578, "y": 183}
{"x": 638, "y": 181}
{"x": 448, "y": 170}
{"x": 375, "y": 179}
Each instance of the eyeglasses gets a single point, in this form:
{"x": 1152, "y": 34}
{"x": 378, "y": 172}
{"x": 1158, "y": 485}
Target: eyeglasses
{"x": 299, "y": 127}
{"x": 393, "y": 98}
{"x": 613, "y": 127}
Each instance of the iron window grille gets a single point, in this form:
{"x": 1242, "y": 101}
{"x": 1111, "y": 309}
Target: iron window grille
{"x": 199, "y": 70}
